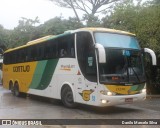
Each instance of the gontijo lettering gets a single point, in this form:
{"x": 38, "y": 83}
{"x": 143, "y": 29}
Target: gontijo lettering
{"x": 21, "y": 68}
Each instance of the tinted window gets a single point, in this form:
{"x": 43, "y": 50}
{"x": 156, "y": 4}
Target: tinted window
{"x": 66, "y": 46}
{"x": 116, "y": 40}
{"x": 86, "y": 55}
{"x": 55, "y": 48}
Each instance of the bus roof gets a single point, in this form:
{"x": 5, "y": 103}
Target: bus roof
{"x": 49, "y": 37}
{"x": 40, "y": 39}
{"x": 106, "y": 30}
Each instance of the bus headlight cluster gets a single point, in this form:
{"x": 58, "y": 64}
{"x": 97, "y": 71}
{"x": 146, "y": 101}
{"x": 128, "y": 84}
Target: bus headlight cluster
{"x": 108, "y": 93}
{"x": 144, "y": 90}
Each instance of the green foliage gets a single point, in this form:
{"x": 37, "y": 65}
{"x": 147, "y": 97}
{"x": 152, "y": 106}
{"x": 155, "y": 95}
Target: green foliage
{"x": 24, "y": 32}
{"x": 150, "y": 29}
{"x": 3, "y": 37}
{"x": 154, "y": 2}
{"x": 91, "y": 20}
{"x": 28, "y": 30}
{"x": 123, "y": 17}
{"x": 58, "y": 25}
{"x": 141, "y": 19}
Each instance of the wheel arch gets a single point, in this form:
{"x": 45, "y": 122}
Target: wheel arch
{"x": 17, "y": 82}
{"x": 65, "y": 84}
{"x": 11, "y": 84}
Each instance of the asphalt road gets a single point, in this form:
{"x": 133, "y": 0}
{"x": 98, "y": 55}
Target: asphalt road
{"x": 40, "y": 108}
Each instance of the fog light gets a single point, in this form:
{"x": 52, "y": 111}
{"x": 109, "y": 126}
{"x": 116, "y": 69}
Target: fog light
{"x": 143, "y": 90}
{"x": 104, "y": 101}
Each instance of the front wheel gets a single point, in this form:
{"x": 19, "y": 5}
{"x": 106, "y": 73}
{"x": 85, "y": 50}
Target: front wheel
{"x": 67, "y": 97}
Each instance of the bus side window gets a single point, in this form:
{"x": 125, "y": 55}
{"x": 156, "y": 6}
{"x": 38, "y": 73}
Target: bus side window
{"x": 21, "y": 56}
{"x": 71, "y": 47}
{"x": 86, "y": 56}
{"x": 27, "y": 55}
{"x": 72, "y": 52}
{"x": 32, "y": 53}
{"x": 63, "y": 52}
{"x": 54, "y": 49}
{"x": 46, "y": 51}
{"x": 13, "y": 57}
{"x": 66, "y": 46}
{"x": 40, "y": 52}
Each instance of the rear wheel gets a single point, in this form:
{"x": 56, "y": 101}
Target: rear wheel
{"x": 11, "y": 87}
{"x": 16, "y": 90}
{"x": 67, "y": 97}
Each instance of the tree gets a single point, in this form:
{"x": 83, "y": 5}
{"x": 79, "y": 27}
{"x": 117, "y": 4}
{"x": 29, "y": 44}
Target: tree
{"x": 24, "y": 32}
{"x": 27, "y": 24}
{"x": 3, "y": 37}
{"x": 27, "y": 30}
{"x": 89, "y": 7}
{"x": 155, "y": 2}
{"x": 58, "y": 25}
{"x": 124, "y": 17}
{"x": 142, "y": 20}
{"x": 92, "y": 20}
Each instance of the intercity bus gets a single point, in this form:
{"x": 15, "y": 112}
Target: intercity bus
{"x": 93, "y": 66}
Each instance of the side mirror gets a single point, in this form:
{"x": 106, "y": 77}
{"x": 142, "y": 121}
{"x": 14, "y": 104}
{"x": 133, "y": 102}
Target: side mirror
{"x": 101, "y": 53}
{"x": 153, "y": 55}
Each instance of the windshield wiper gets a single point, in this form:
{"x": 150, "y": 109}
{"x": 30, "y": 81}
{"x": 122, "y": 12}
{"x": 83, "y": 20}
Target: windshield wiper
{"x": 135, "y": 74}
{"x": 128, "y": 64}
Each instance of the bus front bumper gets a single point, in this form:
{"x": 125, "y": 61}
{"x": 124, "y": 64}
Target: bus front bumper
{"x": 106, "y": 100}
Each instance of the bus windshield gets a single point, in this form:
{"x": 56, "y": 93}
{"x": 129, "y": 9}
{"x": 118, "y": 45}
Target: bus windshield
{"x": 121, "y": 68}
{"x": 124, "y": 63}
{"x": 116, "y": 40}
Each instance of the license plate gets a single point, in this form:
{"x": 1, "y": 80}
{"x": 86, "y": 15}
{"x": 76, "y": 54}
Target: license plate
{"x": 129, "y": 100}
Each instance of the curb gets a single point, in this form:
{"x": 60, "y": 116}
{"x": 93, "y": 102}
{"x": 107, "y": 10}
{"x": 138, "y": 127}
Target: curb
{"x": 153, "y": 96}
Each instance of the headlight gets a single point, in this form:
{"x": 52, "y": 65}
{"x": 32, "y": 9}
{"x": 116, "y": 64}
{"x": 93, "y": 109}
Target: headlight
{"x": 105, "y": 92}
{"x": 143, "y": 90}
{"x": 109, "y": 93}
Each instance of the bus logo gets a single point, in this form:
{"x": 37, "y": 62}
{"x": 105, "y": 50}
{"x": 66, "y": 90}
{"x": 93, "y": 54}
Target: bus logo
{"x": 86, "y": 94}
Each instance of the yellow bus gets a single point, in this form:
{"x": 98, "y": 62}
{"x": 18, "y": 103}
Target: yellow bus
{"x": 93, "y": 66}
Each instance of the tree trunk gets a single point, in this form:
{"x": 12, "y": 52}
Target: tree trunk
{"x": 75, "y": 11}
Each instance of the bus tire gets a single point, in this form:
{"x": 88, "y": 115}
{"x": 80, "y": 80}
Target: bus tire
{"x": 16, "y": 90}
{"x": 67, "y": 97}
{"x": 11, "y": 87}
